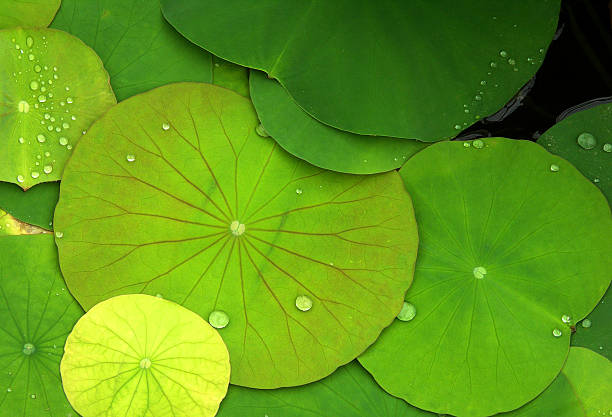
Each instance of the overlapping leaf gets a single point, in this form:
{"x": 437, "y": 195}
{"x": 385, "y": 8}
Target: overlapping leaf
{"x": 31, "y": 13}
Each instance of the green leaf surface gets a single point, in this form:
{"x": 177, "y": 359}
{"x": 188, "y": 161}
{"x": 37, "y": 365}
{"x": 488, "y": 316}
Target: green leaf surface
{"x": 232, "y": 76}
{"x": 348, "y": 392}
{"x": 37, "y": 314}
{"x": 36, "y": 206}
{"x": 53, "y": 88}
{"x": 139, "y": 48}
{"x": 595, "y": 331}
{"x": 321, "y": 145}
{"x": 512, "y": 240}
{"x": 137, "y": 355}
{"x": 189, "y": 202}
{"x": 30, "y": 13}
{"x": 407, "y": 69}
{"x": 594, "y": 156}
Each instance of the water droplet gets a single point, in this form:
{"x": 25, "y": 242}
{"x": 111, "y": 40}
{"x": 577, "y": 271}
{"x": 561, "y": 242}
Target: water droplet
{"x": 261, "y": 131}
{"x": 42, "y": 98}
{"x": 554, "y": 167}
{"x": 557, "y": 333}
{"x": 298, "y": 191}
{"x": 37, "y": 68}
{"x": 407, "y": 313}
{"x": 466, "y": 144}
{"x": 28, "y": 349}
{"x": 586, "y": 323}
{"x": 607, "y": 147}
{"x": 33, "y": 396}
{"x": 130, "y": 157}
{"x": 34, "y": 85}
{"x": 29, "y": 41}
{"x": 303, "y": 303}
{"x": 478, "y": 98}
{"x": 59, "y": 234}
{"x": 595, "y": 180}
{"x": 35, "y": 174}
{"x": 511, "y": 61}
{"x": 218, "y": 319}
{"x": 63, "y": 141}
{"x": 31, "y": 57}
{"x": 21, "y": 140}
{"x": 47, "y": 169}
{"x": 566, "y": 319}
{"x": 65, "y": 125}
{"x": 479, "y": 144}
{"x": 69, "y": 100}
{"x": 23, "y": 106}
{"x": 457, "y": 127}
{"x": 145, "y": 363}
{"x": 479, "y": 272}
{"x": 493, "y": 64}
{"x": 483, "y": 82}
{"x": 47, "y": 116}
{"x": 586, "y": 140}
{"x": 237, "y": 228}
{"x": 503, "y": 54}
{"x": 158, "y": 295}
{"x": 41, "y": 138}
{"x": 9, "y": 390}
{"x": 165, "y": 126}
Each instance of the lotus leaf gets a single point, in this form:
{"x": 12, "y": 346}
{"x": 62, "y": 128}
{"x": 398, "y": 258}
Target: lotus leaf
{"x": 31, "y": 13}
{"x": 35, "y": 206}
{"x": 37, "y": 315}
{"x": 409, "y": 69}
{"x": 54, "y": 87}
{"x": 173, "y": 192}
{"x": 321, "y": 145}
{"x": 508, "y": 261}
{"x": 138, "y": 47}
{"x": 138, "y": 355}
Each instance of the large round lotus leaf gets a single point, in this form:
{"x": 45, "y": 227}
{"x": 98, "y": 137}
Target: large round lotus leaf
{"x": 35, "y": 206}
{"x": 230, "y": 76}
{"x": 585, "y": 139}
{"x": 138, "y": 47}
{"x": 53, "y": 87}
{"x": 515, "y": 247}
{"x": 582, "y": 389}
{"x": 10, "y": 226}
{"x": 37, "y": 314}
{"x": 31, "y": 13}
{"x": 410, "y": 69}
{"x": 348, "y": 392}
{"x": 189, "y": 202}
{"x": 595, "y": 331}
{"x": 321, "y": 145}
{"x": 137, "y": 355}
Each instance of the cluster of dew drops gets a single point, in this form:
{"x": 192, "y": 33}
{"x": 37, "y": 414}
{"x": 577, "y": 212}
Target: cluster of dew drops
{"x": 588, "y": 142}
{"x": 55, "y": 114}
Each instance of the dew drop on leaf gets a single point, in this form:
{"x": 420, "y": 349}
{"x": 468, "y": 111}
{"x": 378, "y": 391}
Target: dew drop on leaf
{"x": 407, "y": 313}
{"x": 28, "y": 349}
{"x": 587, "y": 141}
{"x": 557, "y": 333}
{"x": 165, "y": 126}
{"x": 130, "y": 157}
{"x": 566, "y": 319}
{"x": 607, "y": 147}
{"x": 554, "y": 167}
{"x": 303, "y": 302}
{"x": 479, "y": 272}
{"x": 218, "y": 319}
{"x": 586, "y": 323}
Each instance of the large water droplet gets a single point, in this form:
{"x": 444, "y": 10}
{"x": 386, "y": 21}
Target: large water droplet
{"x": 63, "y": 141}
{"x": 554, "y": 167}
{"x": 145, "y": 363}
{"x": 303, "y": 302}
{"x": 34, "y": 85}
{"x": 586, "y": 140}
{"x": 41, "y": 138}
{"x": 237, "y": 228}
{"x": 218, "y": 319}
{"x": 407, "y": 313}
{"x": 28, "y": 349}
{"x": 557, "y": 333}
{"x": 47, "y": 169}
{"x": 586, "y": 323}
{"x": 479, "y": 272}
{"x": 478, "y": 144}
{"x": 35, "y": 174}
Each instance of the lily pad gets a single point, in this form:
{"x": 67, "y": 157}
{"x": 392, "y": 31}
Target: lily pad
{"x": 232, "y": 76}
{"x": 321, "y": 145}
{"x": 595, "y": 331}
{"x": 53, "y": 87}
{"x": 31, "y": 13}
{"x": 36, "y": 206}
{"x": 139, "y": 48}
{"x": 137, "y": 355}
{"x": 509, "y": 259}
{"x": 173, "y": 192}
{"x": 386, "y": 68}
{"x": 585, "y": 139}
{"x": 10, "y": 226}
{"x": 37, "y": 315}
{"x": 348, "y": 392}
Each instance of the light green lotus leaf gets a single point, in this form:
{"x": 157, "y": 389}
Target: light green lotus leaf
{"x": 139, "y": 48}
{"x": 232, "y": 76}
{"x": 585, "y": 139}
{"x": 582, "y": 389}
{"x": 138, "y": 355}
{"x": 10, "y": 226}
{"x": 348, "y": 392}
{"x": 53, "y": 88}
{"x": 515, "y": 248}
{"x": 595, "y": 331}
{"x": 30, "y": 13}
{"x": 37, "y": 314}
{"x": 173, "y": 192}
{"x": 321, "y": 145}
{"x": 36, "y": 206}
{"x": 409, "y": 69}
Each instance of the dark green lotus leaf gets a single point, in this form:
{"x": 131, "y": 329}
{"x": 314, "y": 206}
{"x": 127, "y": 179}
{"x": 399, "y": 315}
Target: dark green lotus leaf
{"x": 595, "y": 331}
{"x": 390, "y": 68}
{"x": 37, "y": 315}
{"x": 348, "y": 392}
{"x": 173, "y": 192}
{"x": 10, "y": 226}
{"x": 230, "y": 76}
{"x": 139, "y": 48}
{"x": 31, "y": 13}
{"x": 321, "y": 145}
{"x": 36, "y": 206}
{"x": 53, "y": 88}
{"x": 137, "y": 355}
{"x": 515, "y": 248}
{"x": 585, "y": 139}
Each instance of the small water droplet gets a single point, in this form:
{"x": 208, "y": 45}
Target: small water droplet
{"x": 511, "y": 61}
{"x": 33, "y": 396}
{"x": 493, "y": 65}
{"x": 303, "y": 302}
{"x": 9, "y": 390}
{"x": 41, "y": 138}
{"x": 557, "y": 333}
{"x": 21, "y": 140}
{"x": 130, "y": 157}
{"x": 478, "y": 97}
{"x": 554, "y": 167}
{"x": 34, "y": 85}
{"x": 503, "y": 54}
{"x": 42, "y": 98}
{"x": 237, "y": 228}
{"x": 47, "y": 169}
{"x": 483, "y": 82}
{"x": 29, "y": 41}
{"x": 35, "y": 174}
{"x": 145, "y": 363}
{"x": 479, "y": 144}
{"x": 607, "y": 147}
{"x": 586, "y": 140}
{"x": 261, "y": 131}
{"x": 479, "y": 272}
{"x": 466, "y": 144}
{"x": 59, "y": 234}
{"x": 28, "y": 349}
{"x": 407, "y": 313}
{"x": 63, "y": 141}
{"x": 69, "y": 100}
{"x": 218, "y": 319}
{"x": 165, "y": 126}
{"x": 37, "y": 68}
{"x": 158, "y": 295}
{"x": 586, "y": 323}
{"x": 457, "y": 127}
{"x": 31, "y": 57}
{"x": 566, "y": 319}
{"x": 299, "y": 191}
{"x": 65, "y": 125}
